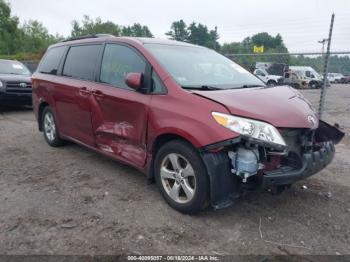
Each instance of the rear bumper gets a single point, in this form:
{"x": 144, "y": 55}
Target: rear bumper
{"x": 311, "y": 164}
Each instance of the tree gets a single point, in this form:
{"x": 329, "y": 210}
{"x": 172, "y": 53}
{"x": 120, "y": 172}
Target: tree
{"x": 271, "y": 45}
{"x": 89, "y": 26}
{"x": 136, "y": 30}
{"x": 198, "y": 34}
{"x": 34, "y": 37}
{"x": 269, "y": 42}
{"x": 31, "y": 37}
{"x": 8, "y": 29}
{"x": 178, "y": 31}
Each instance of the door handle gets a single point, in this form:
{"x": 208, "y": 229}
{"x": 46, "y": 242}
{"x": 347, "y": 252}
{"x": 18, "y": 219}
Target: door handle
{"x": 97, "y": 93}
{"x": 84, "y": 91}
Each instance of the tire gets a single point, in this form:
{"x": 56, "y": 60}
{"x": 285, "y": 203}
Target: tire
{"x": 50, "y": 130}
{"x": 296, "y": 86}
{"x": 313, "y": 85}
{"x": 184, "y": 186}
{"x": 271, "y": 83}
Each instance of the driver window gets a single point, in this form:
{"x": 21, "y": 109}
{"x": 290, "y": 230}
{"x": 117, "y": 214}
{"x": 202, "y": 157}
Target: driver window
{"x": 117, "y": 62}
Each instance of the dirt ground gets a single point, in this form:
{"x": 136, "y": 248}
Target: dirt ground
{"x": 71, "y": 200}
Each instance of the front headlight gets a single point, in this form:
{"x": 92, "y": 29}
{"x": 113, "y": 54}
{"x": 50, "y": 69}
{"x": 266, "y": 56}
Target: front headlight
{"x": 1, "y": 85}
{"x": 250, "y": 128}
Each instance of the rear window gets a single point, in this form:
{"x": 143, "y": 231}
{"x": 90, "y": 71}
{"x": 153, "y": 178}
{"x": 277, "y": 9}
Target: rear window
{"x": 81, "y": 61}
{"x": 51, "y": 61}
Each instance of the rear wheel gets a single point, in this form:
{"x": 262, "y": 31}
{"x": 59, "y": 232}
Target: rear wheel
{"x": 181, "y": 177}
{"x": 49, "y": 126}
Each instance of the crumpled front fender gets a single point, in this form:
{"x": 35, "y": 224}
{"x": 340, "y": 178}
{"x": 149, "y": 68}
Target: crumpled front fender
{"x": 325, "y": 132}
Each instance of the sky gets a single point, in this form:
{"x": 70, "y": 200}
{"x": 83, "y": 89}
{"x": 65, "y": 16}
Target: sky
{"x": 302, "y": 23}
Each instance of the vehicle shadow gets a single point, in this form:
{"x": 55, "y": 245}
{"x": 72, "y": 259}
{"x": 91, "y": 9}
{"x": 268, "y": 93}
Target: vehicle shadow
{"x": 14, "y": 108}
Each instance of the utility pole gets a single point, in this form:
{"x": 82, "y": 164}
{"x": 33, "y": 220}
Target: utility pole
{"x": 323, "y": 41}
{"x": 325, "y": 70}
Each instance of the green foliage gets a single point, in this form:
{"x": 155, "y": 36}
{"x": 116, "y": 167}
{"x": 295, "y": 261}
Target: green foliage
{"x": 197, "y": 34}
{"x": 34, "y": 37}
{"x": 336, "y": 64}
{"x": 136, "y": 30}
{"x": 89, "y": 26}
{"x": 23, "y": 56}
{"x": 31, "y": 37}
{"x": 9, "y": 31}
{"x": 179, "y": 31}
{"x": 271, "y": 45}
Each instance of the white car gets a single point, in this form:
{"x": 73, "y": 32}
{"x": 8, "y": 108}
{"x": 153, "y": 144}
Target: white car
{"x": 336, "y": 78}
{"x": 270, "y": 80}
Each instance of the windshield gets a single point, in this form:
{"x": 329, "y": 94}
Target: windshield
{"x": 317, "y": 75}
{"x": 13, "y": 67}
{"x": 193, "y": 67}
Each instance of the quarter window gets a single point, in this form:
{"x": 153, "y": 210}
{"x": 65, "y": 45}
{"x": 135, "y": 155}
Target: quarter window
{"x": 51, "y": 61}
{"x": 157, "y": 85}
{"x": 81, "y": 61}
{"x": 117, "y": 62}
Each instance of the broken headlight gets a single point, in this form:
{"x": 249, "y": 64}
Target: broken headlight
{"x": 250, "y": 128}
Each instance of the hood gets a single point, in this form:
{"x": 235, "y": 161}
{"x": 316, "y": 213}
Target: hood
{"x": 281, "y": 106}
{"x": 17, "y": 78}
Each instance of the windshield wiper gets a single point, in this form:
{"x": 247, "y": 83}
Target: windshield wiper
{"x": 203, "y": 87}
{"x": 251, "y": 86}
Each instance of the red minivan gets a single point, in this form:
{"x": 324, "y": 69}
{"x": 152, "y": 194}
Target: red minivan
{"x": 198, "y": 124}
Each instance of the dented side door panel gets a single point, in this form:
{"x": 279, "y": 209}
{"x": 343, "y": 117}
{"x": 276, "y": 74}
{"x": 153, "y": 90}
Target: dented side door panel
{"x": 119, "y": 120}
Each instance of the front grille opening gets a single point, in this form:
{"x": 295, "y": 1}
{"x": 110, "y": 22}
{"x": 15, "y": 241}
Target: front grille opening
{"x": 293, "y": 160}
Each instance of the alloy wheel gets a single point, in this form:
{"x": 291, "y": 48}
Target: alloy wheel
{"x": 49, "y": 126}
{"x": 178, "y": 178}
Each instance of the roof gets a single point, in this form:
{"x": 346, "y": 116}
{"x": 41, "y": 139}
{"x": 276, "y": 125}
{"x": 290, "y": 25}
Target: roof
{"x": 138, "y": 40}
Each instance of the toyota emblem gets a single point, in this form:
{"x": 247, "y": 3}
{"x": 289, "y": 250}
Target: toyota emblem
{"x": 24, "y": 85}
{"x": 312, "y": 120}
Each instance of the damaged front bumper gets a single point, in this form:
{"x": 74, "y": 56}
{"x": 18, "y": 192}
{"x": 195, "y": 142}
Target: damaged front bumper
{"x": 311, "y": 164}
{"x": 225, "y": 186}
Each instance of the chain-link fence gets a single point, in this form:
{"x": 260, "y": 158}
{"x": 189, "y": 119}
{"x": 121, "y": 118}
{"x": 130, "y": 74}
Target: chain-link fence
{"x": 299, "y": 70}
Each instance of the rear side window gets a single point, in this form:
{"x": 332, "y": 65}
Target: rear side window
{"x": 51, "y": 61}
{"x": 81, "y": 61}
{"x": 117, "y": 62}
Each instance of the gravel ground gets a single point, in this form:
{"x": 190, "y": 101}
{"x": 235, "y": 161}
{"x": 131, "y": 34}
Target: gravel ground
{"x": 71, "y": 200}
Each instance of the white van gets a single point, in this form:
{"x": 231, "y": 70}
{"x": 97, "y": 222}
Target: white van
{"x": 313, "y": 79}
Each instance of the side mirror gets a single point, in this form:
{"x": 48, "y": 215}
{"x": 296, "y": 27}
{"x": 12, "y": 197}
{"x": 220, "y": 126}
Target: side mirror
{"x": 134, "y": 80}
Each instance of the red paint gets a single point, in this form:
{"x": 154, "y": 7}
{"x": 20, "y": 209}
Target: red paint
{"x": 124, "y": 123}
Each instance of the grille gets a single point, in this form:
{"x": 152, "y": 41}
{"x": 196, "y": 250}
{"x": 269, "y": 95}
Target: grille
{"x": 18, "y": 87}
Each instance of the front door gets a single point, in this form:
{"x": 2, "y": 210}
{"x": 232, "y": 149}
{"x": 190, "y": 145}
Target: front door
{"x": 119, "y": 113}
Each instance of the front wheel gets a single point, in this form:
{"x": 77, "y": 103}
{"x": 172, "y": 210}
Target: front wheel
{"x": 271, "y": 83}
{"x": 182, "y": 177}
